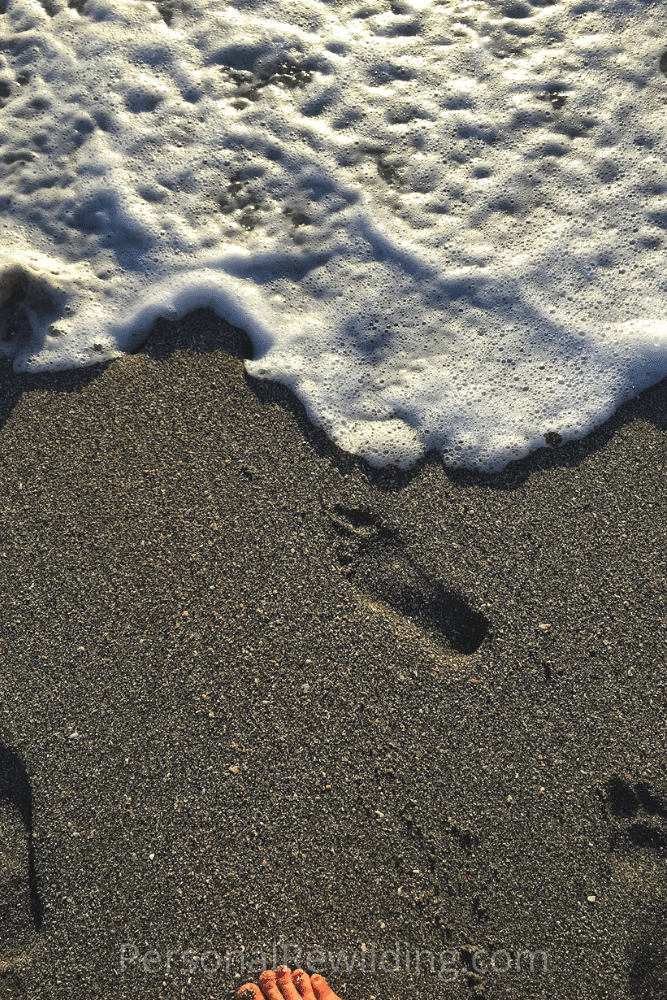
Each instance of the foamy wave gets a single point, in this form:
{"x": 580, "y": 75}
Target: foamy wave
{"x": 441, "y": 224}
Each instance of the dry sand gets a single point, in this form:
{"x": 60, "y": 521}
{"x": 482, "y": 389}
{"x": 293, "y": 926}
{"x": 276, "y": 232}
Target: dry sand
{"x": 254, "y": 691}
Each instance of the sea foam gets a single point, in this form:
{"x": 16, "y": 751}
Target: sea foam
{"x": 441, "y": 223}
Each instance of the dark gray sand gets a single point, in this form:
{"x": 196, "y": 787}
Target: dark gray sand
{"x": 254, "y": 692}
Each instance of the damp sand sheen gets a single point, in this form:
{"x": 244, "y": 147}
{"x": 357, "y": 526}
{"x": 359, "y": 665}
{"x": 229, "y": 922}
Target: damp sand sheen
{"x": 442, "y": 224}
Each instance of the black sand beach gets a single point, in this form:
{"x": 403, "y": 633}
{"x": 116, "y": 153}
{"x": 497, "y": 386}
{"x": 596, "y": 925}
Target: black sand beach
{"x": 253, "y": 691}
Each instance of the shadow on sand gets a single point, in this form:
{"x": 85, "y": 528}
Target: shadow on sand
{"x": 16, "y": 789}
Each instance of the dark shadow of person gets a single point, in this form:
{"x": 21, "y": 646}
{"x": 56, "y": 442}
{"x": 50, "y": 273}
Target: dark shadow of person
{"x": 21, "y": 907}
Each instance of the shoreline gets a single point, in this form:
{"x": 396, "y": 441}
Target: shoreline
{"x": 258, "y": 687}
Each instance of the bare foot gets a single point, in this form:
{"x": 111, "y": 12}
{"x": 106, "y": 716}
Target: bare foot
{"x": 285, "y": 985}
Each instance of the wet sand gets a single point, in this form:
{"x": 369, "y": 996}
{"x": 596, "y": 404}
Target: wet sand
{"x": 253, "y": 691}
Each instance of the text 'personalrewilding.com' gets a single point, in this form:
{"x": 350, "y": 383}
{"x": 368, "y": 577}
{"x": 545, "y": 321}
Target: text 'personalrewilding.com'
{"x": 238, "y": 962}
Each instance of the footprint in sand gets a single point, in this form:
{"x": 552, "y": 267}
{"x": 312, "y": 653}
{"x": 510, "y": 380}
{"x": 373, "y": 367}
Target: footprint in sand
{"x": 639, "y": 821}
{"x": 20, "y": 903}
{"x": 378, "y": 563}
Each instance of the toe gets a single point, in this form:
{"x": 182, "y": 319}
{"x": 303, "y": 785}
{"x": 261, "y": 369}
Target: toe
{"x": 267, "y": 981}
{"x": 284, "y": 980}
{"x": 301, "y": 980}
{"x": 322, "y": 989}
{"x": 250, "y": 992}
